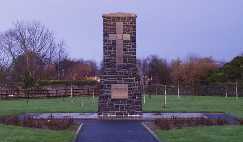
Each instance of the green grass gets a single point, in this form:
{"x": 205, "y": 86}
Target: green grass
{"x": 155, "y": 104}
{"x": 75, "y": 104}
{"x": 203, "y": 134}
{"x": 195, "y": 104}
{"x": 18, "y": 134}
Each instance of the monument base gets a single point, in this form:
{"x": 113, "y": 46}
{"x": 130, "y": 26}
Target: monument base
{"x": 120, "y": 117}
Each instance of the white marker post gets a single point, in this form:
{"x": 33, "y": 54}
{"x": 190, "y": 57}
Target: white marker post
{"x": 71, "y": 90}
{"x": 144, "y": 96}
{"x": 144, "y": 99}
{"x": 236, "y": 90}
{"x": 82, "y": 104}
{"x": 178, "y": 89}
{"x": 156, "y": 91}
{"x": 165, "y": 96}
{"x": 93, "y": 97}
{"x": 71, "y": 93}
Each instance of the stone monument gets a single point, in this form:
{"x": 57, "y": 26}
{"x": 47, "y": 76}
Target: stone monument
{"x": 120, "y": 96}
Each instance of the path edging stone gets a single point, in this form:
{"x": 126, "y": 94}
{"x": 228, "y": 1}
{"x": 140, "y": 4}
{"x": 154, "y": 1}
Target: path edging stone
{"x": 151, "y": 132}
{"x": 77, "y": 132}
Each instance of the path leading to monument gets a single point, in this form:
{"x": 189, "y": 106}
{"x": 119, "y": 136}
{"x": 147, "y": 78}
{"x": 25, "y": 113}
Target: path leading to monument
{"x": 114, "y": 131}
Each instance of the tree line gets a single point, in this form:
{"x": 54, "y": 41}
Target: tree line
{"x": 193, "y": 70}
{"x": 30, "y": 51}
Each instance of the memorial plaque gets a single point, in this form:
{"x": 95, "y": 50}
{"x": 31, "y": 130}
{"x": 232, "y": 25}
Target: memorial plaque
{"x": 119, "y": 91}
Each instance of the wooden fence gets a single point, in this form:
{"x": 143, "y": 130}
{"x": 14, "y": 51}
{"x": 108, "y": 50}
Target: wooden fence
{"x": 50, "y": 92}
{"x": 94, "y": 90}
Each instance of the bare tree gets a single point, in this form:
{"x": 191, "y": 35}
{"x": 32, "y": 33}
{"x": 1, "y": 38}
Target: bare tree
{"x": 193, "y": 69}
{"x": 143, "y": 66}
{"x": 176, "y": 70}
{"x": 30, "y": 37}
{"x": 158, "y": 70}
{"x": 26, "y": 39}
{"x": 3, "y": 64}
{"x": 8, "y": 46}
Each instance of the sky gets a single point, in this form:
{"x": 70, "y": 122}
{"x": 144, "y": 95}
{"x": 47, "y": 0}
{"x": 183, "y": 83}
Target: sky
{"x": 167, "y": 28}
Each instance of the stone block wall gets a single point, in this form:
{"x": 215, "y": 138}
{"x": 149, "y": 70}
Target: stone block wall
{"x": 122, "y": 70}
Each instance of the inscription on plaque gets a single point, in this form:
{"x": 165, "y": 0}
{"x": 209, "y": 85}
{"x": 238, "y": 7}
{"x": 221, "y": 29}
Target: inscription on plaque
{"x": 119, "y": 91}
{"x": 119, "y": 37}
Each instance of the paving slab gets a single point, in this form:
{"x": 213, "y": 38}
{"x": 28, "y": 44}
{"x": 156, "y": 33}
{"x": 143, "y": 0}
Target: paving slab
{"x": 153, "y": 116}
{"x": 64, "y": 115}
{"x": 146, "y": 116}
{"x": 88, "y": 116}
{"x": 114, "y": 131}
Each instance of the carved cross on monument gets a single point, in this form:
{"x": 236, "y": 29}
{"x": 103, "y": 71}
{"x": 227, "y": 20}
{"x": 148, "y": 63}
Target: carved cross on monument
{"x": 119, "y": 37}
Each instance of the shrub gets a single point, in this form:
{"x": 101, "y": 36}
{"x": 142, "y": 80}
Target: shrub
{"x": 174, "y": 123}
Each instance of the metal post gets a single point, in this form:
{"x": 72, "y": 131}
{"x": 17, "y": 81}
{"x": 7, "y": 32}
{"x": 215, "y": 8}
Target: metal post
{"x": 178, "y": 89}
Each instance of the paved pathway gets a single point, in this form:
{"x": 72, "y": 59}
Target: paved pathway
{"x": 114, "y": 131}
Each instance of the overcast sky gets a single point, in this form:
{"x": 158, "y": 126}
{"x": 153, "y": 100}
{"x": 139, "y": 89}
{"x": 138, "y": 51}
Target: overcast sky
{"x": 167, "y": 28}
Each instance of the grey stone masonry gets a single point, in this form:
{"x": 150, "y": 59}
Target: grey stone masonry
{"x": 120, "y": 96}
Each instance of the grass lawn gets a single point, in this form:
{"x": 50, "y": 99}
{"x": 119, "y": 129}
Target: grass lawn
{"x": 203, "y": 134}
{"x": 18, "y": 134}
{"x": 195, "y": 104}
{"x": 75, "y": 104}
{"x": 87, "y": 104}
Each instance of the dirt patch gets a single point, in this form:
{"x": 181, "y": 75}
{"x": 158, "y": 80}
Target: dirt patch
{"x": 241, "y": 122}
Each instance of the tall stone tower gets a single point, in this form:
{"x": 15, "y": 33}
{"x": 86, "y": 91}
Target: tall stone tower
{"x": 120, "y": 96}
